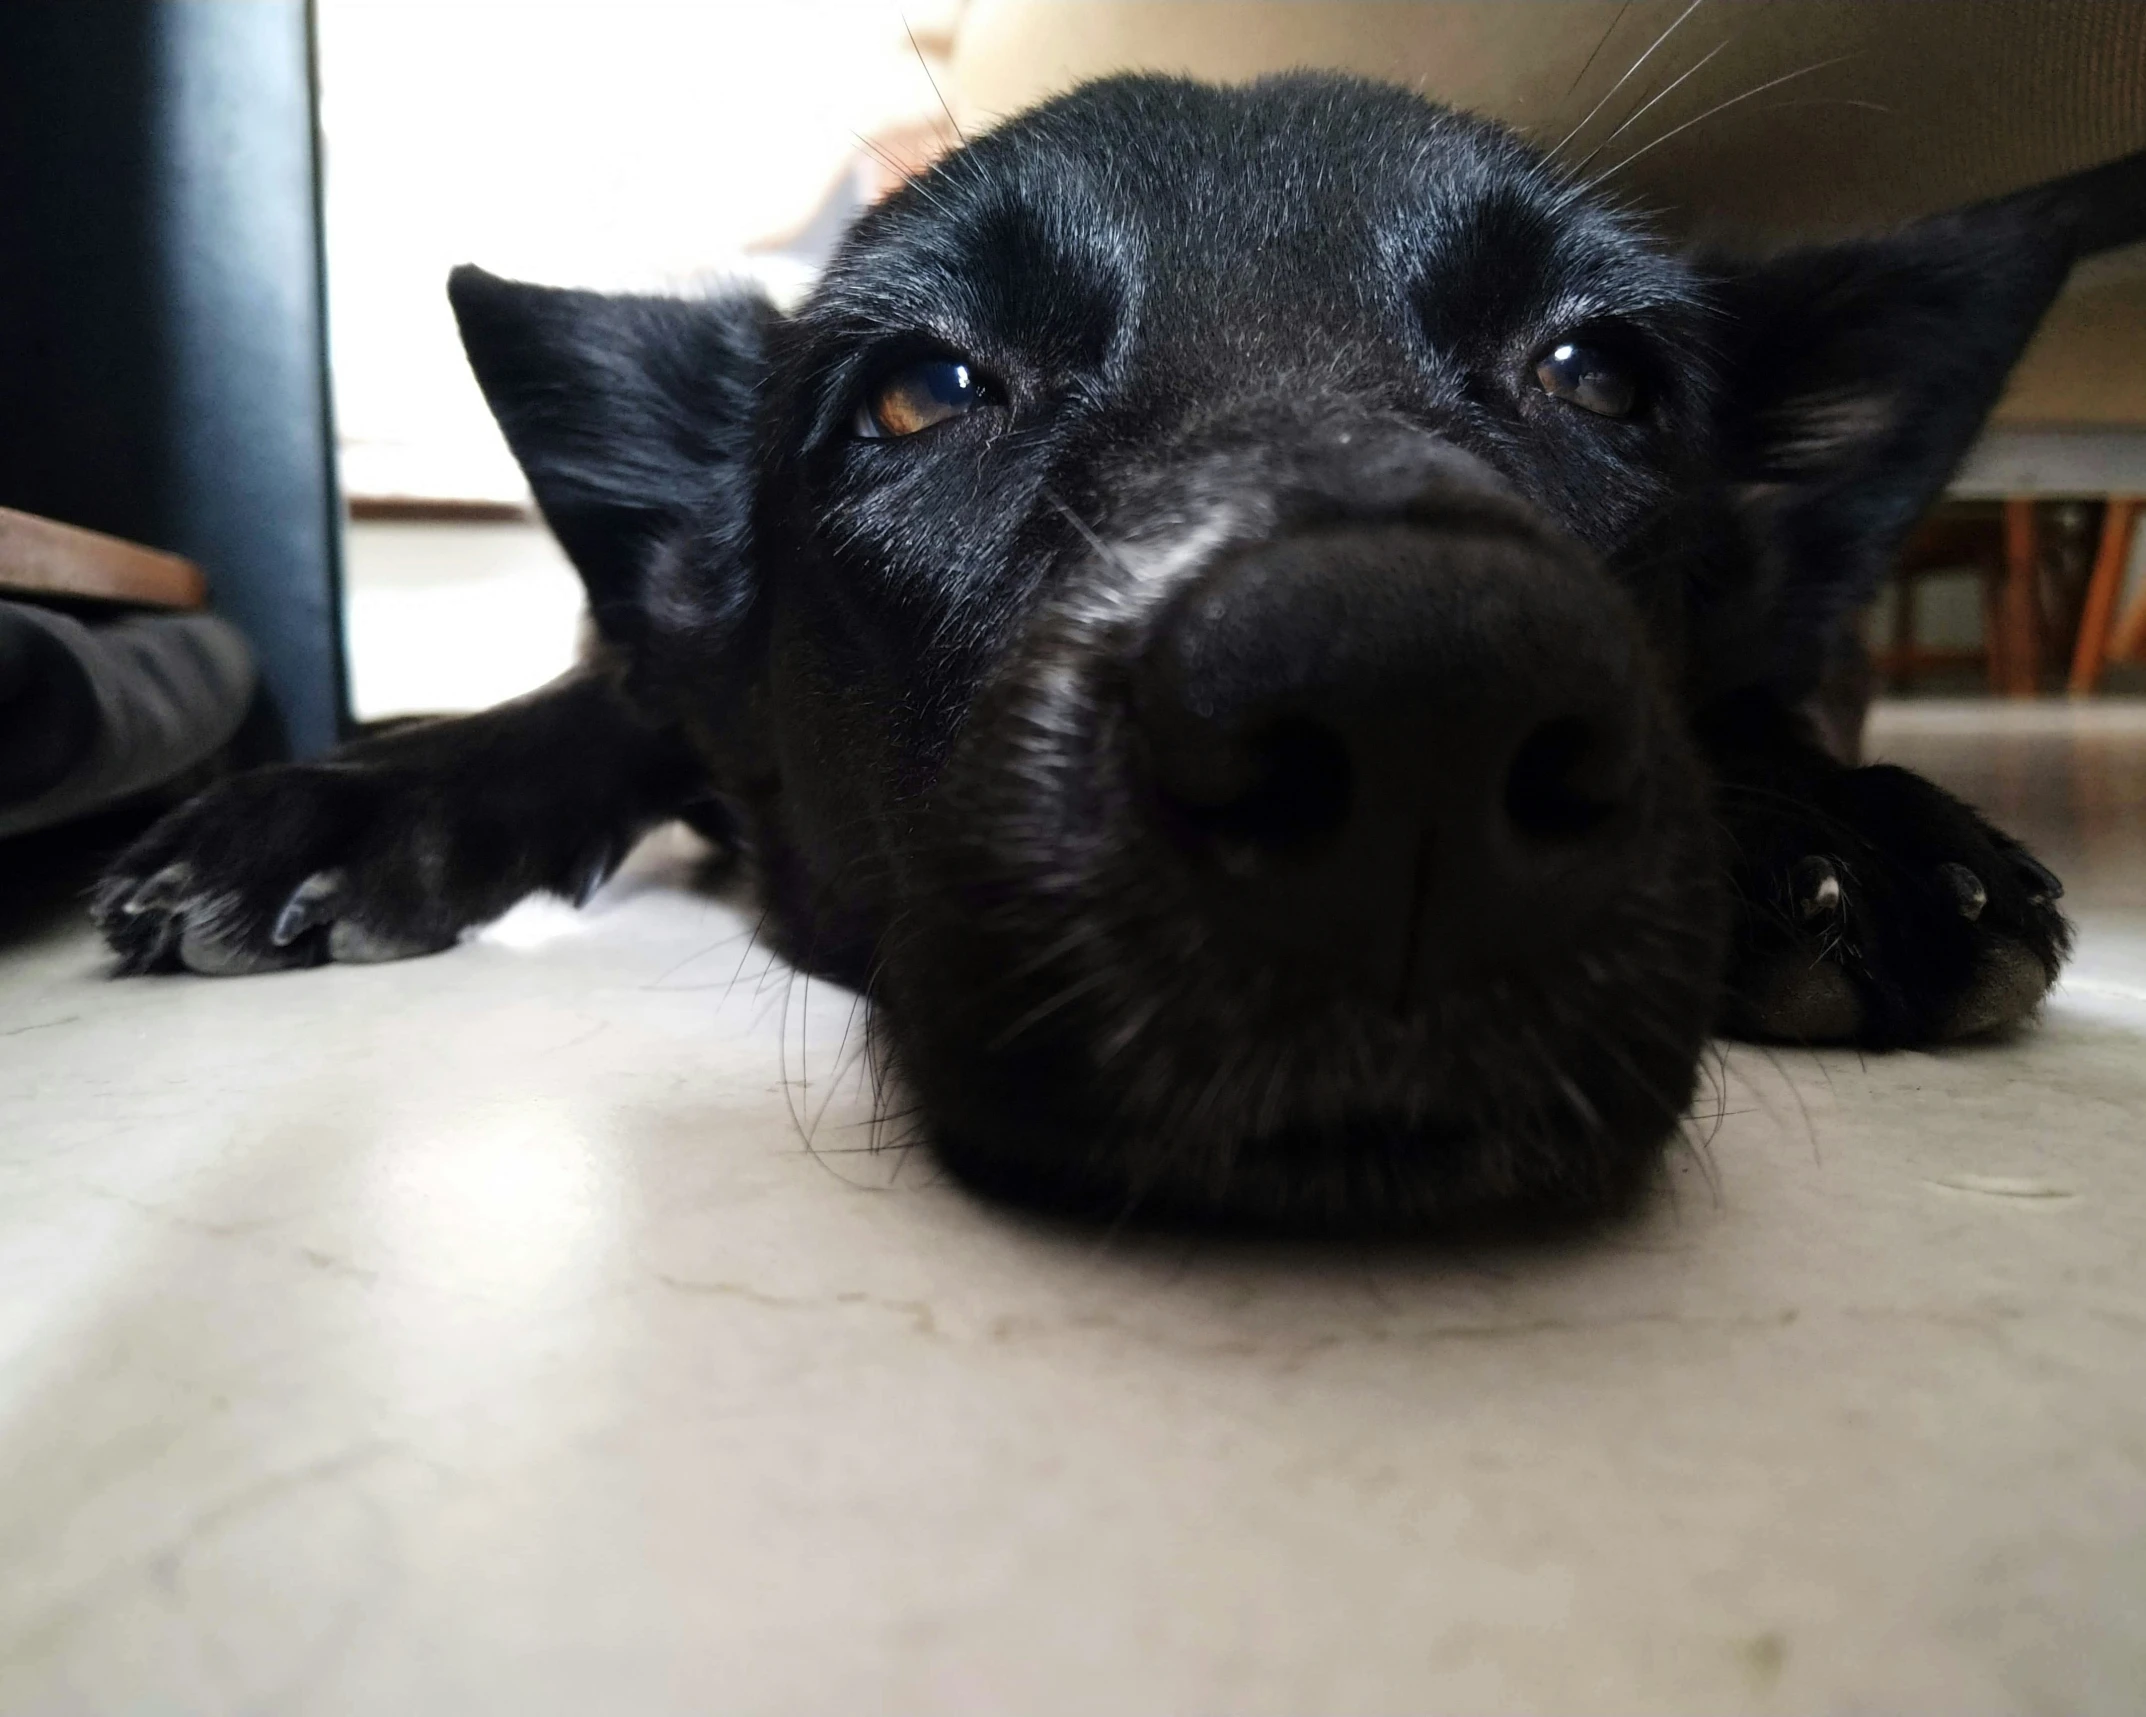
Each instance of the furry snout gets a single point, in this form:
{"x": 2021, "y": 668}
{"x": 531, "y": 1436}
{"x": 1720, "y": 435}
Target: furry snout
{"x": 1349, "y": 868}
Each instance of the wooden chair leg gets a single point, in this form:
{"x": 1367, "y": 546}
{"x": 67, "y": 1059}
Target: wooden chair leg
{"x": 2097, "y": 621}
{"x": 2018, "y": 618}
{"x": 2129, "y": 644}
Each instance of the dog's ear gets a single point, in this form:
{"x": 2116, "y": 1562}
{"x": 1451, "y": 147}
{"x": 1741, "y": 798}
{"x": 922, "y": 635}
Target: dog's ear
{"x": 632, "y": 418}
{"x": 1857, "y": 375}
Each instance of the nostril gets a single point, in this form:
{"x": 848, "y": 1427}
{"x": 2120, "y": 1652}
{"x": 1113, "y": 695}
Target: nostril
{"x": 1281, "y": 790}
{"x": 1566, "y": 779}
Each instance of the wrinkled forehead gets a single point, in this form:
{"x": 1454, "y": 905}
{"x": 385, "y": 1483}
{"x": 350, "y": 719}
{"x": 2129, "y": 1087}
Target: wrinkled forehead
{"x": 1172, "y": 203}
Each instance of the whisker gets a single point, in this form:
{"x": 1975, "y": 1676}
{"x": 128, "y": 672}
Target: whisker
{"x": 1588, "y": 118}
{"x": 1600, "y": 44}
{"x": 905, "y": 177}
{"x": 1065, "y": 996}
{"x": 1824, "y": 101}
{"x": 834, "y": 1079}
{"x": 1702, "y": 1154}
{"x": 1718, "y": 107}
{"x": 1648, "y": 106}
{"x": 752, "y": 941}
{"x": 1103, "y": 549}
{"x": 924, "y": 66}
{"x": 1810, "y": 1128}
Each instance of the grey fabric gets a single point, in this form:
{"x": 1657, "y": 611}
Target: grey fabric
{"x": 91, "y": 715}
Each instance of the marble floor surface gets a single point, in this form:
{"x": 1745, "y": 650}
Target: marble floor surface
{"x": 534, "y": 1329}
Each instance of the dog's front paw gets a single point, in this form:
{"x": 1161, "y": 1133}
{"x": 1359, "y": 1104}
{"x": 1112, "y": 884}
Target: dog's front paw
{"x": 283, "y": 867}
{"x": 1887, "y": 913}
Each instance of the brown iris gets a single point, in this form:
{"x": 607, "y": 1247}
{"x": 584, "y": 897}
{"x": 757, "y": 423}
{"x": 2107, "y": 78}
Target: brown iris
{"x": 1588, "y": 378}
{"x": 917, "y": 398}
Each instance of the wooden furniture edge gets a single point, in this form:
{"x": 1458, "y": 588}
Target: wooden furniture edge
{"x": 41, "y": 557}
{"x": 437, "y": 509}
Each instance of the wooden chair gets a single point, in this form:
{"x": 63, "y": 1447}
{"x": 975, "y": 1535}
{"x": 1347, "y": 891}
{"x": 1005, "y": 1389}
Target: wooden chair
{"x": 1994, "y": 524}
{"x": 1953, "y": 539}
{"x": 2103, "y": 638}
{"x": 2003, "y": 542}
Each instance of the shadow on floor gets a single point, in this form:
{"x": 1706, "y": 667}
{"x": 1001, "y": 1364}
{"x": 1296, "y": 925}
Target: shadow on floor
{"x": 45, "y": 877}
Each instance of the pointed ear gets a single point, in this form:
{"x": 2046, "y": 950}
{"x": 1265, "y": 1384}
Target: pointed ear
{"x": 1857, "y": 375}
{"x": 632, "y": 418}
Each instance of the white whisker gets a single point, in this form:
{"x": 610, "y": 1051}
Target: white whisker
{"x": 1641, "y": 112}
{"x": 1771, "y": 83}
{"x": 1601, "y": 43}
{"x": 1558, "y": 147}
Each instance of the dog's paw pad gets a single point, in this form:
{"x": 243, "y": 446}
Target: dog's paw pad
{"x": 211, "y": 953}
{"x": 2009, "y": 984}
{"x": 289, "y": 866}
{"x": 1885, "y": 912}
{"x": 351, "y": 943}
{"x": 1805, "y": 998}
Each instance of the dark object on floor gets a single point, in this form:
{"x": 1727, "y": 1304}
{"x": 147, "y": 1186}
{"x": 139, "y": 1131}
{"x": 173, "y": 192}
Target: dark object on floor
{"x": 162, "y": 347}
{"x": 100, "y": 702}
{"x": 93, "y": 716}
{"x": 1265, "y": 626}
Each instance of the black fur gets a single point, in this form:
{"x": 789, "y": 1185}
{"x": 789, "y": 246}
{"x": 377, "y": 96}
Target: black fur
{"x": 1144, "y": 737}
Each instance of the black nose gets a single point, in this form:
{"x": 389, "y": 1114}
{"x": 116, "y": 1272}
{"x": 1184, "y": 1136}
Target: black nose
{"x": 1399, "y": 752}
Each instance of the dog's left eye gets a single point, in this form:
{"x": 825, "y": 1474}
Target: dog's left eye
{"x": 918, "y": 397}
{"x": 1589, "y": 378}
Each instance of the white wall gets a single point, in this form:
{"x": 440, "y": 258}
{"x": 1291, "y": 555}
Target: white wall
{"x": 621, "y": 143}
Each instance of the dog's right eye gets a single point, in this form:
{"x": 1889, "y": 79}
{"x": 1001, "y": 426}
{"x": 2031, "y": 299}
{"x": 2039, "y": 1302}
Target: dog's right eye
{"x": 1589, "y": 378}
{"x": 918, "y": 397}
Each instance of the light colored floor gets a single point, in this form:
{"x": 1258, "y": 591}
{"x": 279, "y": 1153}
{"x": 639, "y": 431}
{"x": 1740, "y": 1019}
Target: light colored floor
{"x": 479, "y": 1334}
{"x": 451, "y": 616}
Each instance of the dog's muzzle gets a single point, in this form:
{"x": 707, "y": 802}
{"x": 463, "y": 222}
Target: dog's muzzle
{"x": 1354, "y": 848}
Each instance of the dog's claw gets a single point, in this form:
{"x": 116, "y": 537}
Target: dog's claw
{"x": 161, "y": 891}
{"x": 312, "y": 903}
{"x": 1816, "y": 887}
{"x": 594, "y": 877}
{"x": 1968, "y": 892}
{"x": 2047, "y": 884}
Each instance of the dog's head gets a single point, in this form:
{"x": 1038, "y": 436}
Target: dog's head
{"x": 1202, "y": 610}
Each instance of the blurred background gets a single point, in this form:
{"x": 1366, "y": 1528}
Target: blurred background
{"x": 620, "y": 144}
{"x": 210, "y": 197}
{"x": 636, "y": 144}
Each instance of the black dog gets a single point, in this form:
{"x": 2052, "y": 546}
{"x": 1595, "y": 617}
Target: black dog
{"x": 1264, "y": 627}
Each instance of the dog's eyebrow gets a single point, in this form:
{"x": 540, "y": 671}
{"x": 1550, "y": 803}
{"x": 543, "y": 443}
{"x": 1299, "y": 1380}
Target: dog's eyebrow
{"x": 1642, "y": 297}
{"x": 1510, "y": 251}
{"x": 984, "y": 262}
